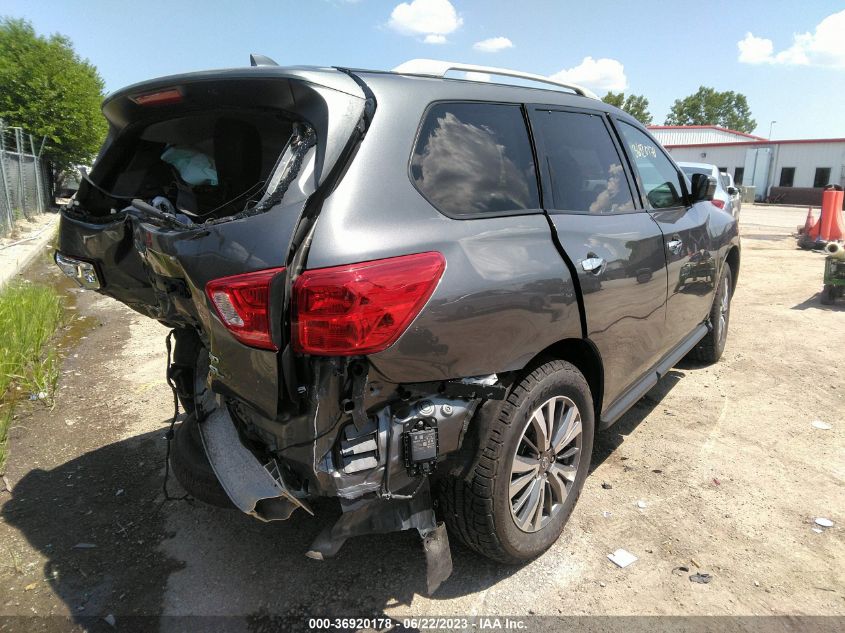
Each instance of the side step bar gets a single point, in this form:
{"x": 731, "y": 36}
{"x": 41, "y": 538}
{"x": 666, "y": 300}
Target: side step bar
{"x": 642, "y": 386}
{"x": 255, "y": 488}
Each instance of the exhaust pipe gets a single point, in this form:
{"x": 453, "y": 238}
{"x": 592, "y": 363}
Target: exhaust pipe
{"x": 835, "y": 250}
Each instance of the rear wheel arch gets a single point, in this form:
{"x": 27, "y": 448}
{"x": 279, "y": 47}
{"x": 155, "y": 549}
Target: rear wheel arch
{"x": 582, "y": 353}
{"x": 477, "y": 502}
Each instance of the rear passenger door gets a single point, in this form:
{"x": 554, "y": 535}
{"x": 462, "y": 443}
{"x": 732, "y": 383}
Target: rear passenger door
{"x": 689, "y": 251}
{"x": 615, "y": 247}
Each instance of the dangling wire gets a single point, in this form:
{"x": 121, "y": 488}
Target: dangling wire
{"x": 170, "y": 433}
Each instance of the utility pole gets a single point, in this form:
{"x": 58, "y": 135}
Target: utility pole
{"x": 771, "y": 125}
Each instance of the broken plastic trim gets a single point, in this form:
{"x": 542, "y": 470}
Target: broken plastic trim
{"x": 382, "y": 516}
{"x": 256, "y": 489}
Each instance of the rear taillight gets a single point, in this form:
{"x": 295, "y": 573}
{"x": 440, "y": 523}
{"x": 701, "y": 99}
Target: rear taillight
{"x": 718, "y": 203}
{"x": 361, "y": 308}
{"x": 243, "y": 304}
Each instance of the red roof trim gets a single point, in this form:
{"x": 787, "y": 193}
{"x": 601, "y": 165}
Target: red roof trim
{"x": 746, "y": 143}
{"x": 708, "y": 127}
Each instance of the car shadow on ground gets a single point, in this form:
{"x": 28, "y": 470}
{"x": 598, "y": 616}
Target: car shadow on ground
{"x": 113, "y": 545}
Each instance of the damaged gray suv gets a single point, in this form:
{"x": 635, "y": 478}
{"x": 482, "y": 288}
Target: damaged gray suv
{"x": 418, "y": 294}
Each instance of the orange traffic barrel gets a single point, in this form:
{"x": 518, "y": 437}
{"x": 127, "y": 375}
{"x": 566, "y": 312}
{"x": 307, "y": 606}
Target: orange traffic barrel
{"x": 831, "y": 226}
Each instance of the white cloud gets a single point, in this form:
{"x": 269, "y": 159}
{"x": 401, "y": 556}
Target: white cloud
{"x": 435, "y": 19}
{"x": 493, "y": 45}
{"x": 755, "y": 50}
{"x": 824, "y": 47}
{"x": 473, "y": 76}
{"x": 601, "y": 74}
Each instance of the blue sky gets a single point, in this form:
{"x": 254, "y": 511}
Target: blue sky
{"x": 791, "y": 71}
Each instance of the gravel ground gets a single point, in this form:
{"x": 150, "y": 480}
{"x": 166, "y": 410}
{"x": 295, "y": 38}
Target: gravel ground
{"x": 725, "y": 459}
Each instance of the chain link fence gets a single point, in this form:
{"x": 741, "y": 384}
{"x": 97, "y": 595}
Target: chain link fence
{"x": 24, "y": 190}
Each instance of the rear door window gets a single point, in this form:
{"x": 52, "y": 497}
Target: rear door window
{"x": 585, "y": 169}
{"x": 475, "y": 159}
{"x": 659, "y": 179}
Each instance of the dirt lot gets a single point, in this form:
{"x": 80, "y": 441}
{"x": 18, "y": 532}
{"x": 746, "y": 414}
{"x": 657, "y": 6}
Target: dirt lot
{"x": 725, "y": 458}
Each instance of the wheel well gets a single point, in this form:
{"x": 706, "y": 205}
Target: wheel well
{"x": 583, "y": 354}
{"x": 733, "y": 261}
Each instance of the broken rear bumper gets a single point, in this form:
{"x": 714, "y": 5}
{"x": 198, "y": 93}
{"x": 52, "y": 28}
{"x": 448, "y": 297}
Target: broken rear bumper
{"x": 255, "y": 488}
{"x": 258, "y": 489}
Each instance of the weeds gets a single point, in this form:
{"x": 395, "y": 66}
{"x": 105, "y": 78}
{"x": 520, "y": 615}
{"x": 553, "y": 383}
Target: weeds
{"x": 29, "y": 316}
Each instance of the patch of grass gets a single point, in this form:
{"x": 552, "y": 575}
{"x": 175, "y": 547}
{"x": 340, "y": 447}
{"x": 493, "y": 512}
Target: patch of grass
{"x": 29, "y": 316}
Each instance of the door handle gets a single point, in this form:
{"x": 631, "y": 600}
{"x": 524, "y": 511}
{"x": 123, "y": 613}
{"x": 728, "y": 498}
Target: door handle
{"x": 592, "y": 264}
{"x": 675, "y": 246}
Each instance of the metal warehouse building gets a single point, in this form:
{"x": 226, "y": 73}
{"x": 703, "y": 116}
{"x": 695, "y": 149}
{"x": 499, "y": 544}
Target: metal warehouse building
{"x": 789, "y": 171}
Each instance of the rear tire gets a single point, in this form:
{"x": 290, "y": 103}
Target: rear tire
{"x": 483, "y": 509}
{"x": 709, "y": 349}
{"x": 191, "y": 466}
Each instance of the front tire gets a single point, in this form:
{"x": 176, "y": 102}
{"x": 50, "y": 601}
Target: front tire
{"x": 532, "y": 460}
{"x": 709, "y": 349}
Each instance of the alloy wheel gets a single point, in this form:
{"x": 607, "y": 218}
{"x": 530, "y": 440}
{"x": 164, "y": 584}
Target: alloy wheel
{"x": 545, "y": 463}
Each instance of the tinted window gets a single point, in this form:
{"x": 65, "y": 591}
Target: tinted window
{"x": 585, "y": 169}
{"x": 475, "y": 158}
{"x": 739, "y": 172}
{"x": 787, "y": 176}
{"x": 822, "y": 178}
{"x": 660, "y": 180}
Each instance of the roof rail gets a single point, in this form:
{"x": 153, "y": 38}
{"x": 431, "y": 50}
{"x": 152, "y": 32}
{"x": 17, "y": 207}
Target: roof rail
{"x": 437, "y": 68}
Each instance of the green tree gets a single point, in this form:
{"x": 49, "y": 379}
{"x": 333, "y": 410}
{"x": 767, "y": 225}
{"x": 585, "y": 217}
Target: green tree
{"x": 635, "y": 105}
{"x": 52, "y": 93}
{"x": 708, "y": 107}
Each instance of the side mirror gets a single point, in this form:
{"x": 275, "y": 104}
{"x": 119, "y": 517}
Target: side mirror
{"x": 733, "y": 191}
{"x": 703, "y": 187}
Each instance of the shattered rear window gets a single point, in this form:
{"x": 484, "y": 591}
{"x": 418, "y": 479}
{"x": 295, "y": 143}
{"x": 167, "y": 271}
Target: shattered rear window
{"x": 201, "y": 168}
